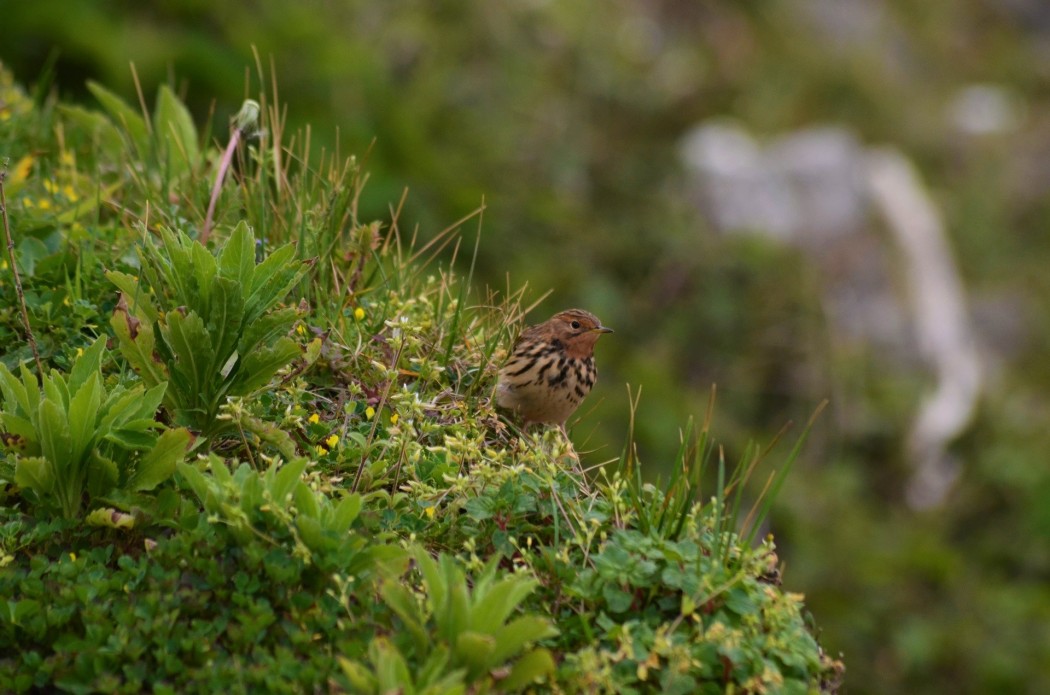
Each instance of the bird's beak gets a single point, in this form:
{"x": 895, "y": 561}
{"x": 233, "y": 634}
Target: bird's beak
{"x": 602, "y": 329}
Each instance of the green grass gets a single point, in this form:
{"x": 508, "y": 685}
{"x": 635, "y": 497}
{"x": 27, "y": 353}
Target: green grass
{"x": 291, "y": 549}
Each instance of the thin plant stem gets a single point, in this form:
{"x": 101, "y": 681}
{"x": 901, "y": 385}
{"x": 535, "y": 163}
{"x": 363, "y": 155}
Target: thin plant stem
{"x": 18, "y": 279}
{"x": 245, "y": 119}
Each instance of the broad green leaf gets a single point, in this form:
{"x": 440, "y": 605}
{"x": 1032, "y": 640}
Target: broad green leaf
{"x": 489, "y": 613}
{"x": 219, "y": 470}
{"x": 83, "y": 412}
{"x": 23, "y": 428}
{"x": 272, "y": 280}
{"x": 345, "y": 513}
{"x": 135, "y": 295}
{"x": 102, "y": 475}
{"x": 29, "y": 251}
{"x": 475, "y": 650}
{"x": 400, "y": 600}
{"x": 87, "y": 364}
{"x": 197, "y": 481}
{"x": 101, "y": 130}
{"x": 527, "y": 670}
{"x": 130, "y": 439}
{"x": 224, "y": 321}
{"x": 264, "y": 330}
{"x": 259, "y": 367}
{"x": 286, "y": 478}
{"x": 432, "y": 579}
{"x": 514, "y": 636}
{"x": 54, "y": 438}
{"x": 360, "y": 678}
{"x": 391, "y": 670}
{"x": 190, "y": 346}
{"x": 176, "y": 134}
{"x": 159, "y": 463}
{"x": 15, "y": 391}
{"x": 237, "y": 259}
{"x": 124, "y": 116}
{"x": 139, "y": 350}
{"x": 35, "y": 473}
{"x": 306, "y": 501}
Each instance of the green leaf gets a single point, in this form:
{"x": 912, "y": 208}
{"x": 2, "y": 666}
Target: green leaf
{"x": 360, "y": 678}
{"x": 513, "y": 637}
{"x": 135, "y": 295}
{"x": 159, "y": 464}
{"x": 35, "y": 473}
{"x": 177, "y": 136}
{"x": 391, "y": 669}
{"x": 306, "y": 502}
{"x": 83, "y": 411}
{"x": 54, "y": 439}
{"x": 527, "y": 670}
{"x": 260, "y": 365}
{"x": 400, "y": 600}
{"x": 286, "y": 478}
{"x": 123, "y": 115}
{"x": 489, "y": 613}
{"x": 345, "y": 513}
{"x": 237, "y": 258}
{"x": 103, "y": 474}
{"x": 139, "y": 349}
{"x": 14, "y": 391}
{"x": 99, "y": 128}
{"x": 476, "y": 650}
{"x": 87, "y": 365}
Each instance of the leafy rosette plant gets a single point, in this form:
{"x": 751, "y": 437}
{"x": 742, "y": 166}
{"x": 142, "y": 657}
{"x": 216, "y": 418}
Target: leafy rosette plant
{"x": 206, "y": 323}
{"x": 70, "y": 437}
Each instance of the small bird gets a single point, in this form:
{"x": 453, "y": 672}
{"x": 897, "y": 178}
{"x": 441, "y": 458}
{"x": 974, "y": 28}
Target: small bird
{"x": 551, "y": 368}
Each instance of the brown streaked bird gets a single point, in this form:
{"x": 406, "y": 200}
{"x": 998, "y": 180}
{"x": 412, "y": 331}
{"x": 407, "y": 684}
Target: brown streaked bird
{"x": 551, "y": 368}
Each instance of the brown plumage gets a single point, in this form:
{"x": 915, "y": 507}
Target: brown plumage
{"x": 551, "y": 368}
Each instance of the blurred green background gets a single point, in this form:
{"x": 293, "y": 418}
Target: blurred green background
{"x": 568, "y": 118}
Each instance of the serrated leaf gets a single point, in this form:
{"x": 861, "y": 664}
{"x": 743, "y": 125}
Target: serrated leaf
{"x": 159, "y": 463}
{"x": 103, "y": 475}
{"x": 54, "y": 438}
{"x": 306, "y": 501}
{"x": 83, "y": 411}
{"x": 14, "y": 391}
{"x": 391, "y": 669}
{"x": 35, "y": 473}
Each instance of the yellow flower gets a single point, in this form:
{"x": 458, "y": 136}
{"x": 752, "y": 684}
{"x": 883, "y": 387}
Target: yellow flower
{"x": 80, "y": 352}
{"x": 314, "y": 419}
{"x": 27, "y": 202}
{"x": 393, "y": 419}
{"x": 73, "y": 557}
{"x": 359, "y": 314}
{"x": 22, "y": 169}
{"x": 321, "y": 451}
{"x": 44, "y": 204}
{"x": 50, "y": 186}
{"x": 70, "y": 194}
{"x": 429, "y": 512}
{"x": 300, "y": 330}
{"x": 370, "y": 412}
{"x": 332, "y": 441}
{"x": 66, "y": 158}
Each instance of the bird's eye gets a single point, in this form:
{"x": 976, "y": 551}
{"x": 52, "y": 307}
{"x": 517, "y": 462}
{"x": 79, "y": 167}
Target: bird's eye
{"x": 575, "y": 324}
